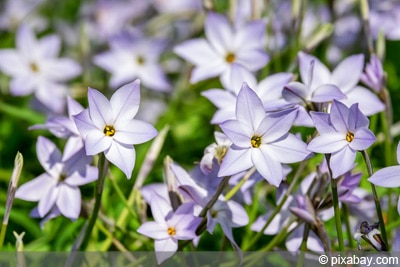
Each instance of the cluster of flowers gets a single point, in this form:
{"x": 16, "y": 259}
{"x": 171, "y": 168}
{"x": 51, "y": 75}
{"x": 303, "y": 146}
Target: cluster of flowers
{"x": 256, "y": 118}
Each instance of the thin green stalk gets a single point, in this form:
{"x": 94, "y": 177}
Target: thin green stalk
{"x": 303, "y": 247}
{"x": 3, "y": 234}
{"x": 103, "y": 169}
{"x": 336, "y": 209}
{"x": 280, "y": 205}
{"x": 237, "y": 187}
{"x": 376, "y": 199}
{"x": 349, "y": 233}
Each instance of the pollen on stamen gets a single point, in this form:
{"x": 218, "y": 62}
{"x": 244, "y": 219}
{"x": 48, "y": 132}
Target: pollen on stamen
{"x": 109, "y": 130}
{"x": 256, "y": 141}
{"x": 230, "y": 57}
{"x": 171, "y": 231}
{"x": 34, "y": 67}
{"x": 140, "y": 60}
{"x": 349, "y": 137}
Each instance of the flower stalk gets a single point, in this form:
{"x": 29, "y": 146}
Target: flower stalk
{"x": 103, "y": 169}
{"x": 376, "y": 199}
{"x": 12, "y": 187}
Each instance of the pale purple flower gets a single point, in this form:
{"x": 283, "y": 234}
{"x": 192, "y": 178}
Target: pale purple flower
{"x": 58, "y": 187}
{"x": 169, "y": 226}
{"x": 384, "y": 17}
{"x": 15, "y": 12}
{"x": 342, "y": 133}
{"x": 108, "y": 126}
{"x": 346, "y": 76}
{"x": 105, "y": 19}
{"x": 130, "y": 58}
{"x": 214, "y": 151}
{"x": 388, "y": 177}
{"x": 260, "y": 139}
{"x": 228, "y": 214}
{"x": 269, "y": 90}
{"x": 35, "y": 68}
{"x": 231, "y": 54}
{"x": 65, "y": 127}
{"x": 304, "y": 93}
{"x": 374, "y": 75}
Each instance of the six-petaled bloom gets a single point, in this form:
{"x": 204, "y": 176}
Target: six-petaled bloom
{"x": 58, "y": 187}
{"x": 342, "y": 133}
{"x": 169, "y": 226}
{"x": 260, "y": 139}
{"x": 108, "y": 126}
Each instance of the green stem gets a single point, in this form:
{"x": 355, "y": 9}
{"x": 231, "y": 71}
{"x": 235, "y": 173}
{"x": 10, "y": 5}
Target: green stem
{"x": 3, "y": 234}
{"x": 103, "y": 168}
{"x": 376, "y": 199}
{"x": 336, "y": 208}
{"x": 237, "y": 187}
{"x": 349, "y": 233}
{"x": 280, "y": 205}
{"x": 303, "y": 247}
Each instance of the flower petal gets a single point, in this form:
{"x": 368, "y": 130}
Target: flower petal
{"x": 326, "y": 93}
{"x": 342, "y": 161}
{"x": 339, "y": 116}
{"x": 369, "y": 103}
{"x": 386, "y": 177}
{"x": 154, "y": 230}
{"x": 267, "y": 166}
{"x": 133, "y": 131}
{"x": 235, "y": 75}
{"x": 296, "y": 92}
{"x": 322, "y": 122}
{"x": 83, "y": 123}
{"x": 48, "y": 200}
{"x": 321, "y": 74}
{"x": 96, "y": 142}
{"x": 48, "y": 155}
{"x": 249, "y": 108}
{"x": 196, "y": 51}
{"x": 363, "y": 138}
{"x": 235, "y": 161}
{"x": 340, "y": 76}
{"x": 328, "y": 143}
{"x": 235, "y": 131}
{"x": 289, "y": 149}
{"x": 125, "y": 101}
{"x": 123, "y": 156}
{"x": 69, "y": 201}
{"x": 165, "y": 249}
{"x": 160, "y": 207}
{"x": 100, "y": 109}
{"x": 35, "y": 189}
{"x": 218, "y": 32}
{"x": 277, "y": 124}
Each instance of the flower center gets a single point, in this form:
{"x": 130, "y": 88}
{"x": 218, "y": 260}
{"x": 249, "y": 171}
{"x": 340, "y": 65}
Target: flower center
{"x": 220, "y": 152}
{"x": 230, "y": 57}
{"x": 109, "y": 130}
{"x": 140, "y": 60}
{"x": 62, "y": 177}
{"x": 349, "y": 137}
{"x": 256, "y": 141}
{"x": 34, "y": 67}
{"x": 171, "y": 231}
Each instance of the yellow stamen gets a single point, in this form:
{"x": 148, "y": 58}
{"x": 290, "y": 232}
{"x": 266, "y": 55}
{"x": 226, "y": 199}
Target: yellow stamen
{"x": 349, "y": 137}
{"x": 34, "y": 67}
{"x": 140, "y": 60}
{"x": 109, "y": 130}
{"x": 256, "y": 141}
{"x": 171, "y": 231}
{"x": 230, "y": 57}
